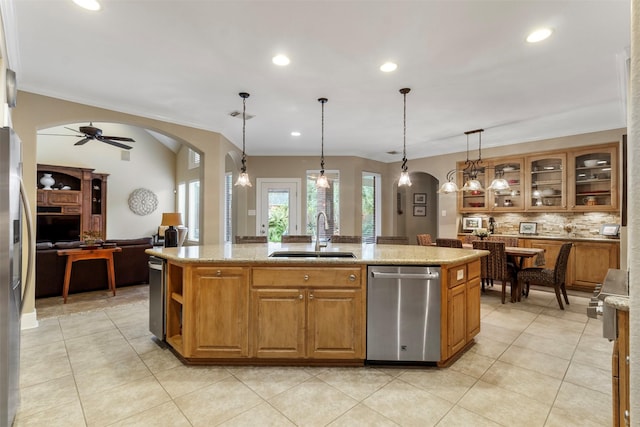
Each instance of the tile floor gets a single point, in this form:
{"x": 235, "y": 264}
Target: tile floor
{"x": 93, "y": 362}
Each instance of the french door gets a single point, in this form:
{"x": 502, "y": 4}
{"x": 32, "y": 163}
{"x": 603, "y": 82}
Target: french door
{"x": 278, "y": 207}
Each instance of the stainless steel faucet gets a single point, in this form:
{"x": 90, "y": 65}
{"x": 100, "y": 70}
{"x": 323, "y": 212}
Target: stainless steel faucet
{"x": 326, "y": 227}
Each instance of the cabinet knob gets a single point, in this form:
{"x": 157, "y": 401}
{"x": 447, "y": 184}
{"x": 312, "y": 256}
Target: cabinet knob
{"x": 352, "y": 277}
{"x": 306, "y": 277}
{"x": 218, "y": 273}
{"x": 310, "y": 296}
{"x": 300, "y": 296}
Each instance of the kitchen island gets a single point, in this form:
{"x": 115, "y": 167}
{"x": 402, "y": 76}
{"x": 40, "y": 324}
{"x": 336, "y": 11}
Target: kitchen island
{"x": 234, "y": 304}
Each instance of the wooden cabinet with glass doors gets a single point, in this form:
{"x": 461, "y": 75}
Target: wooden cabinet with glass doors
{"x": 512, "y": 198}
{"x": 594, "y": 185}
{"x": 474, "y": 200}
{"x": 546, "y": 182}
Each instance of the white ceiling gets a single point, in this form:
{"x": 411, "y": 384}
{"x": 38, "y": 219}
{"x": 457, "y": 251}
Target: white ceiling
{"x": 466, "y": 62}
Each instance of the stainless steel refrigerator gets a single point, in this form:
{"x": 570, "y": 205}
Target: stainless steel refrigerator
{"x": 13, "y": 209}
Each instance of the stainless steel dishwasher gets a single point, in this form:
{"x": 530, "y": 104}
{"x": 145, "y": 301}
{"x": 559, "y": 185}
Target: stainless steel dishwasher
{"x": 156, "y": 297}
{"x": 403, "y": 314}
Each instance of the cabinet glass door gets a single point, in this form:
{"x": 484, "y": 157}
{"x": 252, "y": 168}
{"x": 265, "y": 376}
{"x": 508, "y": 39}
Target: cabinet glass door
{"x": 595, "y": 184}
{"x": 510, "y": 199}
{"x": 546, "y": 182}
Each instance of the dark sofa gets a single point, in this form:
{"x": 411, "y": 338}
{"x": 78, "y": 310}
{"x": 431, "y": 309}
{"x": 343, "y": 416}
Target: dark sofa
{"x": 131, "y": 267}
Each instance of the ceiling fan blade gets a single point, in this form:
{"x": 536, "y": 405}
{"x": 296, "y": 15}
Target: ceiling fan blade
{"x": 73, "y": 130}
{"x": 118, "y": 138}
{"x": 83, "y": 141}
{"x": 61, "y": 134}
{"x": 114, "y": 143}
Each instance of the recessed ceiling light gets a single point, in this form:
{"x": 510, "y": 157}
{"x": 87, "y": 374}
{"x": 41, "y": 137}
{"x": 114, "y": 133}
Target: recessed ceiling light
{"x": 294, "y": 133}
{"x": 539, "y": 35}
{"x": 388, "y": 67}
{"x": 281, "y": 60}
{"x": 88, "y": 4}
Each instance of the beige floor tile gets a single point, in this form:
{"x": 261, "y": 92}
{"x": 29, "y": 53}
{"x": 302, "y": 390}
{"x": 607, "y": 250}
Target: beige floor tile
{"x": 531, "y": 384}
{"x": 102, "y": 378}
{"x": 263, "y": 415}
{"x": 554, "y": 347}
{"x": 576, "y": 403}
{"x": 36, "y": 371}
{"x": 88, "y": 354}
{"x": 48, "y": 395}
{"x": 408, "y": 405}
{"x": 510, "y": 318}
{"x": 589, "y": 377}
{"x": 48, "y": 331}
{"x": 312, "y": 403}
{"x": 183, "y": 379}
{"x": 362, "y": 416}
{"x": 445, "y": 383}
{"x": 67, "y": 415}
{"x": 504, "y": 406}
{"x": 125, "y": 313}
{"x": 218, "y": 402}
{"x": 160, "y": 359}
{"x": 355, "y": 382}
{"x": 270, "y": 381}
{"x": 124, "y": 401}
{"x": 78, "y": 325}
{"x": 488, "y": 346}
{"x": 534, "y": 360}
{"x": 145, "y": 344}
{"x": 164, "y": 415}
{"x": 568, "y": 313}
{"x": 594, "y": 327}
{"x": 472, "y": 364}
{"x": 460, "y": 417}
{"x": 498, "y": 333}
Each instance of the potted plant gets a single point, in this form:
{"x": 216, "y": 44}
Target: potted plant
{"x": 481, "y": 233}
{"x": 91, "y": 237}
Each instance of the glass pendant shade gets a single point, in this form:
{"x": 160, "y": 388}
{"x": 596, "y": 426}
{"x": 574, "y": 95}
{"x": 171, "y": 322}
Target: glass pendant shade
{"x": 472, "y": 185}
{"x": 404, "y": 179}
{"x": 322, "y": 182}
{"x": 243, "y": 178}
{"x": 499, "y": 184}
{"x": 448, "y": 187}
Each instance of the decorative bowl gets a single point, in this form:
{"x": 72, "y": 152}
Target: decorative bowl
{"x": 590, "y": 163}
{"x": 508, "y": 169}
{"x": 548, "y": 192}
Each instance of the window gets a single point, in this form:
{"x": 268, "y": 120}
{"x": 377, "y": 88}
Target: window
{"x": 182, "y": 200}
{"x": 370, "y": 206}
{"x": 194, "y": 159}
{"x": 228, "y": 206}
{"x": 193, "y": 213}
{"x": 325, "y": 200}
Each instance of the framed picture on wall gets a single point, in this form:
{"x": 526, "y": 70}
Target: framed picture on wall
{"x": 470, "y": 223}
{"x": 419, "y": 198}
{"x": 528, "y": 228}
{"x": 419, "y": 211}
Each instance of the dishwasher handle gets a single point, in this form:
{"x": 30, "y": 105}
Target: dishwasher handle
{"x": 420, "y": 276}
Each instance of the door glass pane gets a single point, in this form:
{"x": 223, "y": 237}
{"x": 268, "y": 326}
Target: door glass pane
{"x": 511, "y": 197}
{"x": 325, "y": 200}
{"x": 593, "y": 179}
{"x": 370, "y": 204}
{"x": 278, "y": 207}
{"x": 546, "y": 182}
{"x": 193, "y": 223}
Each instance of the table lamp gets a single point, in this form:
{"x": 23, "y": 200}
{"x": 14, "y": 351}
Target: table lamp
{"x": 171, "y": 219}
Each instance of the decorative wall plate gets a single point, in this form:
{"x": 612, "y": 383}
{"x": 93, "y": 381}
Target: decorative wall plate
{"x": 143, "y": 201}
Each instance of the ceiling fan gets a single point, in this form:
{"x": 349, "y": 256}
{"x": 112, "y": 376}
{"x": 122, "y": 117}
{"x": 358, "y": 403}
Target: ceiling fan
{"x": 90, "y": 132}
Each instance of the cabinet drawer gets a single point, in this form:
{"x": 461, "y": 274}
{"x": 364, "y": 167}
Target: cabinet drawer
{"x": 64, "y": 198}
{"x": 473, "y": 269}
{"x": 329, "y": 276}
{"x": 71, "y": 210}
{"x": 457, "y": 275}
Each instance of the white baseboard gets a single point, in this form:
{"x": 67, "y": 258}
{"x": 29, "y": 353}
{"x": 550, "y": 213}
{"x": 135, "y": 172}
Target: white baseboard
{"x": 29, "y": 320}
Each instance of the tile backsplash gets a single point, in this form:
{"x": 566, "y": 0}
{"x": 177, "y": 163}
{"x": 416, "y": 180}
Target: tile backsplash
{"x": 582, "y": 224}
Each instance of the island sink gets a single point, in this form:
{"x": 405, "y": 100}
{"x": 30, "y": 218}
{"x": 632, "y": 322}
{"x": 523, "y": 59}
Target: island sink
{"x": 311, "y": 254}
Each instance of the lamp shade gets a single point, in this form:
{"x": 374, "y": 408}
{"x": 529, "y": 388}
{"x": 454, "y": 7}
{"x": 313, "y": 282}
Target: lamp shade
{"x": 171, "y": 218}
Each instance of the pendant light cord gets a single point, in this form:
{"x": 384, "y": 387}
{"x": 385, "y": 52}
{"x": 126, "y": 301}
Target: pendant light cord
{"x": 244, "y": 97}
{"x": 404, "y": 92}
{"x": 322, "y": 101}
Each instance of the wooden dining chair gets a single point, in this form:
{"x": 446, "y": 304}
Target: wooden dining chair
{"x": 251, "y": 239}
{"x": 296, "y": 238}
{"x": 336, "y": 238}
{"x": 555, "y": 277}
{"x": 392, "y": 240}
{"x": 424, "y": 239}
{"x": 449, "y": 243}
{"x": 495, "y": 267}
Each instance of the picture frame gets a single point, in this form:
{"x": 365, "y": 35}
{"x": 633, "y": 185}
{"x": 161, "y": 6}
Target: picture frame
{"x": 420, "y": 198}
{"x": 470, "y": 223}
{"x": 610, "y": 230}
{"x": 528, "y": 228}
{"x": 419, "y": 210}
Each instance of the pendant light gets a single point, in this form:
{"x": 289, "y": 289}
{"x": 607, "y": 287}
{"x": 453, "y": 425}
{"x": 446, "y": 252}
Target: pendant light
{"x": 243, "y": 178}
{"x": 322, "y": 181}
{"x": 404, "y": 175}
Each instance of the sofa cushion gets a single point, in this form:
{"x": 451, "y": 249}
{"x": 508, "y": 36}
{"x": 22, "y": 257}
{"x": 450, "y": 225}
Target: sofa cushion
{"x": 43, "y": 245}
{"x": 68, "y": 245}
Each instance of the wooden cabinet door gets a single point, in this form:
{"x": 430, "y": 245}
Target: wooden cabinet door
{"x": 473, "y": 308}
{"x": 593, "y": 179}
{"x": 223, "y": 331}
{"x": 335, "y": 324}
{"x": 546, "y": 182}
{"x": 278, "y": 323}
{"x": 592, "y": 260}
{"x": 456, "y": 318}
{"x": 511, "y": 199}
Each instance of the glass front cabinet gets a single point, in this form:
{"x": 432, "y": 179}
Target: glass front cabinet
{"x": 546, "y": 179}
{"x": 512, "y": 198}
{"x": 594, "y": 185}
{"x": 474, "y": 200}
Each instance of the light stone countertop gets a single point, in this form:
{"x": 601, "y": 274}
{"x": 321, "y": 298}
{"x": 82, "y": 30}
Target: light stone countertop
{"x": 618, "y": 302}
{"x": 367, "y": 253}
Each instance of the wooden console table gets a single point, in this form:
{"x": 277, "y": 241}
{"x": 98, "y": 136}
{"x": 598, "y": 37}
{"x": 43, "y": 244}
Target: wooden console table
{"x": 74, "y": 255}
